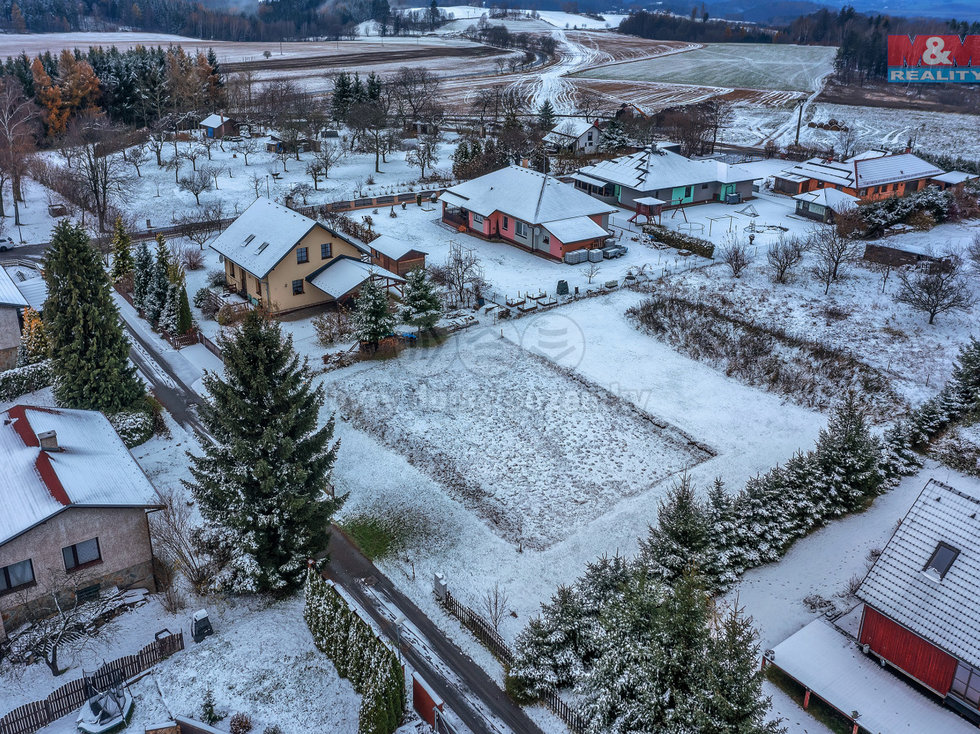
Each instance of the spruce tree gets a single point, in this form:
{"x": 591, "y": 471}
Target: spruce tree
{"x": 90, "y": 353}
{"x": 965, "y": 381}
{"x": 122, "y": 256}
{"x": 170, "y": 313}
{"x": 680, "y": 539}
{"x": 142, "y": 272}
{"x": 546, "y": 115}
{"x": 738, "y": 705}
{"x": 848, "y": 458}
{"x": 185, "y": 321}
{"x": 725, "y": 561}
{"x": 159, "y": 283}
{"x": 33, "y": 339}
{"x": 373, "y": 320}
{"x": 261, "y": 483}
{"x": 422, "y": 305}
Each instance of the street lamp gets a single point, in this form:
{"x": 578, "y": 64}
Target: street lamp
{"x": 267, "y": 186}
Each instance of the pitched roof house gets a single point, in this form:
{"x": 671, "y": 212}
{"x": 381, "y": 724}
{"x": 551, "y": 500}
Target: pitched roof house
{"x": 871, "y": 175}
{"x": 74, "y": 509}
{"x": 821, "y": 205}
{"x": 528, "y": 209}
{"x": 11, "y": 302}
{"x": 217, "y": 126}
{"x": 271, "y": 254}
{"x": 660, "y": 172}
{"x": 921, "y": 611}
{"x": 574, "y": 135}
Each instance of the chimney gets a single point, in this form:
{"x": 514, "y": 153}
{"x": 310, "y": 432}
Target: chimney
{"x": 48, "y": 440}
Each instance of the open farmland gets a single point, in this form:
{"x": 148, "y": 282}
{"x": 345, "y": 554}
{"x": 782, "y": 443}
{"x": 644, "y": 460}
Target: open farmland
{"x": 731, "y": 65}
{"x": 534, "y": 449}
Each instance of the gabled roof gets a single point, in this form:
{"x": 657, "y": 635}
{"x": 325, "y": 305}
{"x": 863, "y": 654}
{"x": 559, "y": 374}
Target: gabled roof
{"x": 657, "y": 168}
{"x": 575, "y": 229}
{"x": 10, "y": 294}
{"x": 945, "y": 612}
{"x": 821, "y": 169}
{"x": 344, "y": 274}
{"x": 892, "y": 169}
{"x": 94, "y": 469}
{"x": 569, "y": 130}
{"x": 393, "y": 247}
{"x": 830, "y": 198}
{"x": 262, "y": 236}
{"x": 215, "y": 120}
{"x": 523, "y": 194}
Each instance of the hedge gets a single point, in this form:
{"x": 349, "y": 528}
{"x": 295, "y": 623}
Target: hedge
{"x": 681, "y": 241}
{"x": 22, "y": 380}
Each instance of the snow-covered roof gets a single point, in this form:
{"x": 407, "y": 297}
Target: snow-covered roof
{"x": 893, "y": 168}
{"x": 343, "y": 274}
{"x": 955, "y": 177}
{"x": 393, "y": 247}
{"x": 214, "y": 120}
{"x": 262, "y": 236}
{"x": 830, "y": 198}
{"x": 35, "y": 290}
{"x": 10, "y": 294}
{"x": 867, "y": 154}
{"x": 942, "y": 608}
{"x": 575, "y": 229}
{"x": 821, "y": 169}
{"x": 588, "y": 180}
{"x": 93, "y": 468}
{"x": 649, "y": 201}
{"x": 571, "y": 128}
{"x": 657, "y": 168}
{"x": 523, "y": 194}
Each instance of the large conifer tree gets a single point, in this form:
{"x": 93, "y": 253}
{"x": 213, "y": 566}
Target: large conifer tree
{"x": 90, "y": 353}
{"x": 261, "y": 484}
{"x": 122, "y": 256}
{"x": 142, "y": 271}
{"x": 373, "y": 319}
{"x": 422, "y": 304}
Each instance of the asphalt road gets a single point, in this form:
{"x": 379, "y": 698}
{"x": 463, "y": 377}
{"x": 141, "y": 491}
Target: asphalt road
{"x": 360, "y": 578}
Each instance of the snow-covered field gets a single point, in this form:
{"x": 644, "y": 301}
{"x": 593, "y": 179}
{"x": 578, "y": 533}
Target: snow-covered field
{"x": 532, "y": 450}
{"x": 732, "y": 65}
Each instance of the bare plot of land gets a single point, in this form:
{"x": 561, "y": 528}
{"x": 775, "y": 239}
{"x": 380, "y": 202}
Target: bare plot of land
{"x": 733, "y": 65}
{"x": 534, "y": 449}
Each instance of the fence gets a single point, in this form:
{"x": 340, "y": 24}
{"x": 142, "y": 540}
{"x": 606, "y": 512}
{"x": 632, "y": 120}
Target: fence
{"x": 573, "y": 720}
{"x": 70, "y": 697}
{"x": 480, "y": 627}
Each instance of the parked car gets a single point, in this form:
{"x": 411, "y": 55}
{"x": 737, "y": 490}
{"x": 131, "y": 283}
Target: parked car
{"x": 611, "y": 251}
{"x": 6, "y": 243}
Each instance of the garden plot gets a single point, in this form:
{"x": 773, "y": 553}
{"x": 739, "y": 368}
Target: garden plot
{"x": 533, "y": 448}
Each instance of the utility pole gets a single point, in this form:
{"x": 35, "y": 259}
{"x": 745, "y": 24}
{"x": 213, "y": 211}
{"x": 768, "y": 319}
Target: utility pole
{"x": 799, "y": 122}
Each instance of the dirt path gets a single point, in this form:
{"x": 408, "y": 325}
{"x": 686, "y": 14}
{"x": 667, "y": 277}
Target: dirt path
{"x": 353, "y": 60}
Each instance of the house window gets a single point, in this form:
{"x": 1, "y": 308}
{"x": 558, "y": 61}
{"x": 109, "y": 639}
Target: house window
{"x": 477, "y": 218}
{"x": 546, "y": 239}
{"x": 82, "y": 554}
{"x": 302, "y": 255}
{"x": 942, "y": 558}
{"x": 507, "y": 220}
{"x": 16, "y": 576}
{"x": 297, "y": 287}
{"x": 258, "y": 286}
{"x": 688, "y": 192}
{"x": 326, "y": 251}
{"x": 520, "y": 229}
{"x": 704, "y": 186}
{"x": 966, "y": 684}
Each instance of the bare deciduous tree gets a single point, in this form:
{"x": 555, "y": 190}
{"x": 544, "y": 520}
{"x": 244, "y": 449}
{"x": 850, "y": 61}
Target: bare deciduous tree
{"x": 18, "y": 122}
{"x": 936, "y": 287}
{"x": 156, "y": 144}
{"x": 246, "y": 147}
{"x": 199, "y": 228}
{"x": 463, "y": 272}
{"x": 736, "y": 256}
{"x": 102, "y": 173}
{"x": 425, "y": 154}
{"x": 197, "y": 183}
{"x": 494, "y": 604}
{"x": 588, "y": 103}
{"x": 783, "y": 256}
{"x": 137, "y": 157}
{"x": 884, "y": 270}
{"x": 213, "y": 172}
{"x": 592, "y": 272}
{"x": 192, "y": 153}
{"x": 172, "y": 530}
{"x": 832, "y": 252}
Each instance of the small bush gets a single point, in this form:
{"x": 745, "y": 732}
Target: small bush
{"x": 216, "y": 278}
{"x": 332, "y": 327}
{"x": 227, "y": 315}
{"x": 208, "y": 305}
{"x": 274, "y": 729}
{"x": 208, "y": 713}
{"x": 192, "y": 258}
{"x": 133, "y": 426}
{"x": 240, "y": 724}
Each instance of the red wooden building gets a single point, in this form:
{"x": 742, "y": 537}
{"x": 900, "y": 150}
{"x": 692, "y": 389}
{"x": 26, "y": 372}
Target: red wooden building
{"x": 921, "y": 612}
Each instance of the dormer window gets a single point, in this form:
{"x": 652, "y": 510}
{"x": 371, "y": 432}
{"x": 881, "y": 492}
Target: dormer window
{"x": 248, "y": 240}
{"x": 941, "y": 560}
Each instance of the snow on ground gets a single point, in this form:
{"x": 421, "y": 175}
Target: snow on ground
{"x": 533, "y": 452}
{"x": 573, "y": 21}
{"x": 732, "y": 65}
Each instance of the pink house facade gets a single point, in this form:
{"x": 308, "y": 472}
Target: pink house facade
{"x": 528, "y": 209}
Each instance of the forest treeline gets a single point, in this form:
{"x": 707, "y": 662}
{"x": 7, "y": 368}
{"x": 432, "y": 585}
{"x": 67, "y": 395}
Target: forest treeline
{"x": 861, "y": 39}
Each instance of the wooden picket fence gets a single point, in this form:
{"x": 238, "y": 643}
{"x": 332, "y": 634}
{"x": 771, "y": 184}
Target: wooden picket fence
{"x": 33, "y": 716}
{"x": 573, "y": 720}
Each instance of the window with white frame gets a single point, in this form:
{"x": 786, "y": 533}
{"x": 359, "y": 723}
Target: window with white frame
{"x": 520, "y": 228}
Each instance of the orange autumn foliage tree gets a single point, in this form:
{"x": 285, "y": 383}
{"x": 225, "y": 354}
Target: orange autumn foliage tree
{"x": 80, "y": 90}
{"x": 48, "y": 94}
